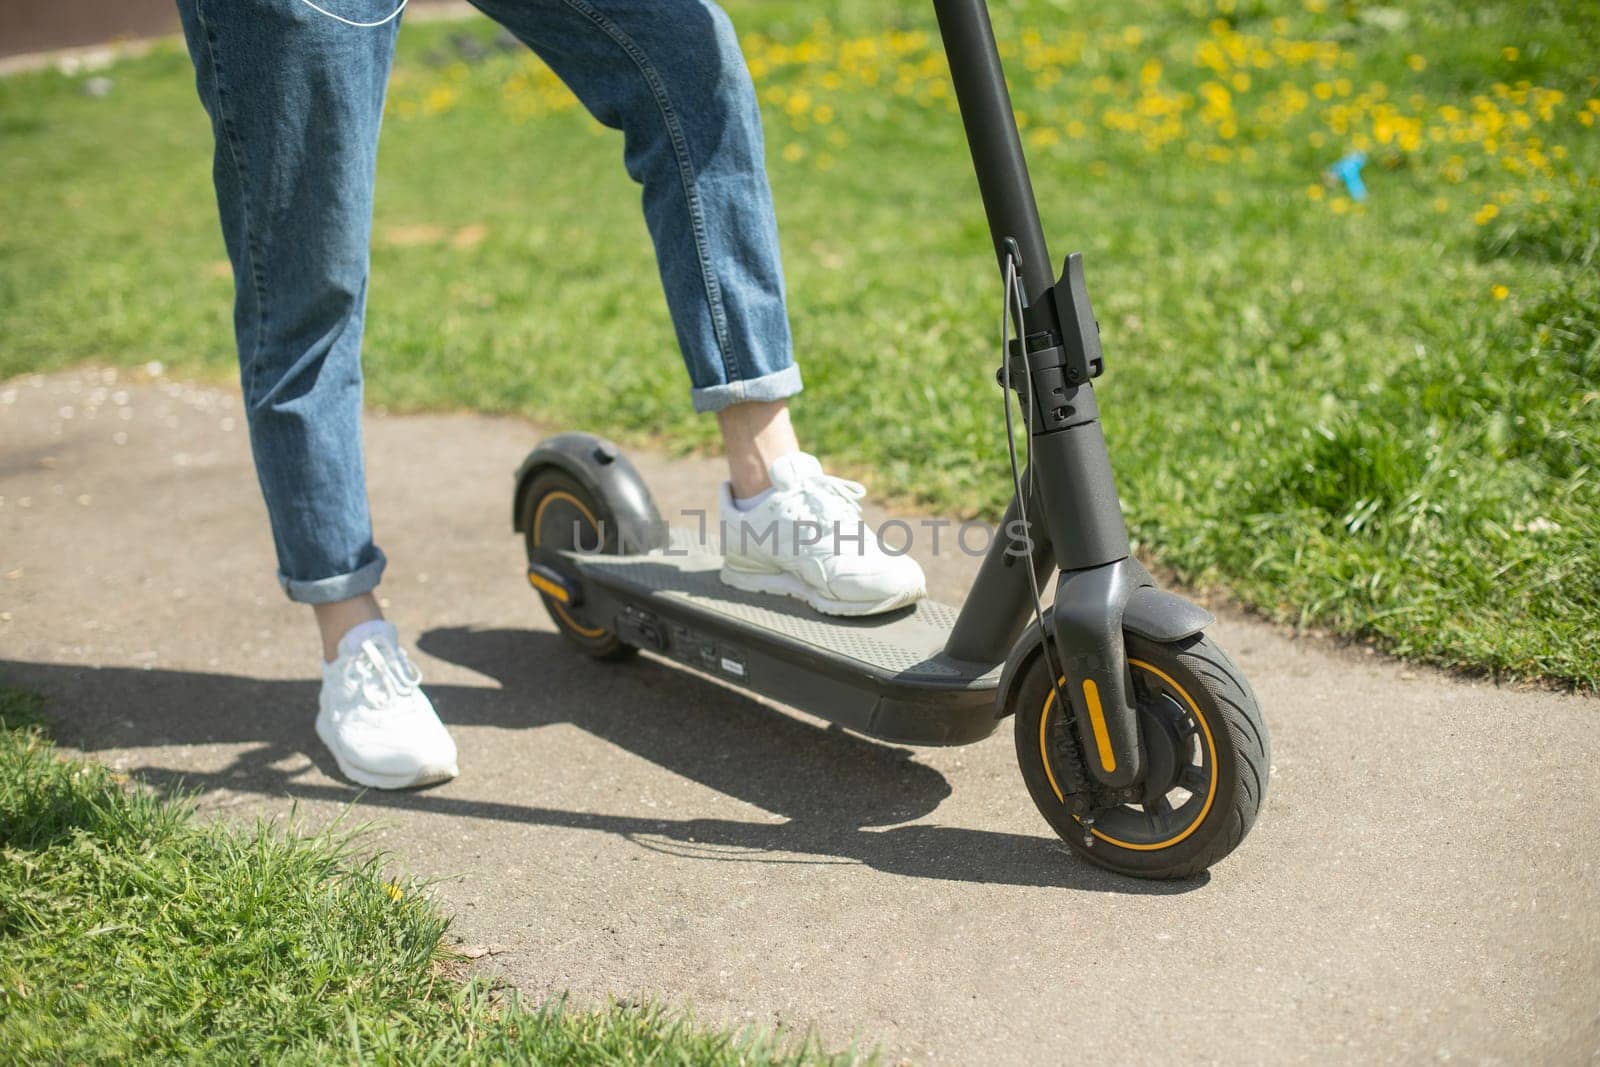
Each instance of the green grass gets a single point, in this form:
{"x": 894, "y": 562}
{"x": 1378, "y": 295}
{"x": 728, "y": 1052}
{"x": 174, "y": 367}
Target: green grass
{"x": 130, "y": 933}
{"x": 1380, "y": 419}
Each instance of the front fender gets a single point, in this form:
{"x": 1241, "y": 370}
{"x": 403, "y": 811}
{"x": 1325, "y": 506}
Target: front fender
{"x": 1152, "y": 613}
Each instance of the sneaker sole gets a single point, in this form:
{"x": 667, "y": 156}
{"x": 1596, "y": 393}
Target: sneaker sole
{"x": 373, "y": 780}
{"x": 781, "y": 584}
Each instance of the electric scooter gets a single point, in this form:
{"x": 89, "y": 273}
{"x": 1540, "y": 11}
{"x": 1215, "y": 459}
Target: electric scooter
{"x": 1140, "y": 742}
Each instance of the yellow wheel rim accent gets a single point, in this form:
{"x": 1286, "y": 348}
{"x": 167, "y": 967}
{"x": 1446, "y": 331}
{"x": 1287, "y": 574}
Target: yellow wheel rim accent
{"x": 538, "y": 514}
{"x": 1211, "y": 750}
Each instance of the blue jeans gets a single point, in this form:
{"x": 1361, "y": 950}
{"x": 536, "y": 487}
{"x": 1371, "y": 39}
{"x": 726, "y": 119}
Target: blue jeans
{"x": 295, "y": 100}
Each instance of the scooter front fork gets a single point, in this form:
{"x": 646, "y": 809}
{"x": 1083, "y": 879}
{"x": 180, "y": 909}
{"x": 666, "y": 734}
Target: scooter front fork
{"x": 1074, "y": 523}
{"x": 1093, "y": 662}
{"x": 1058, "y": 355}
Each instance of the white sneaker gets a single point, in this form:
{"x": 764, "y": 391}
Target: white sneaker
{"x": 375, "y": 718}
{"x": 805, "y": 538}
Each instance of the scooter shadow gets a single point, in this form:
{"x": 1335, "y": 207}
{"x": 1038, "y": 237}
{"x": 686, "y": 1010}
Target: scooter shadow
{"x": 843, "y": 799}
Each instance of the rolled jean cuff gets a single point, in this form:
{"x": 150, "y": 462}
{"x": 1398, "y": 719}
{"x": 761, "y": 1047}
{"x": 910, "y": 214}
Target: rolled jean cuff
{"x": 775, "y": 386}
{"x": 363, "y": 579}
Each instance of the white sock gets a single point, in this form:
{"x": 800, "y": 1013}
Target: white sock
{"x": 362, "y": 632}
{"x": 749, "y": 503}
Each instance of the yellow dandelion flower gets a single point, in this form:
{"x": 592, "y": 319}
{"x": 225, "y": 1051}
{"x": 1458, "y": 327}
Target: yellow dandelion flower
{"x": 794, "y": 153}
{"x": 1316, "y": 192}
{"x": 1486, "y": 214}
{"x": 440, "y": 98}
{"x": 1416, "y": 62}
{"x": 1509, "y": 54}
{"x": 823, "y": 114}
{"x": 1500, "y": 292}
{"x": 1339, "y": 205}
{"x": 394, "y": 891}
{"x": 1441, "y": 205}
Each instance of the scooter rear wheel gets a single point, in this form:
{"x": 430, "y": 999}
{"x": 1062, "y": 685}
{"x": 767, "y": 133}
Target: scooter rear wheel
{"x": 559, "y": 513}
{"x": 1206, "y": 756}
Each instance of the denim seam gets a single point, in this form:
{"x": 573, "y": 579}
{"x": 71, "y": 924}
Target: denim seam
{"x": 231, "y": 137}
{"x": 686, "y": 174}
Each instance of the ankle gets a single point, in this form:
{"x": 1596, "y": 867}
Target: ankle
{"x": 756, "y": 434}
{"x": 337, "y": 619}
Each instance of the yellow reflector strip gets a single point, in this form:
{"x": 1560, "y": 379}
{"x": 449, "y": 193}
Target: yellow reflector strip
{"x": 1097, "y": 719}
{"x": 547, "y": 587}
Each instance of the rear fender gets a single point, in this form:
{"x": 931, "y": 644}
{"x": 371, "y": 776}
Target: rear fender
{"x": 600, "y": 467}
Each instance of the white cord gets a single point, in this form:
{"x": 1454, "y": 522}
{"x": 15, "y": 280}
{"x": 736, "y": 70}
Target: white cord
{"x": 390, "y": 17}
{"x": 1012, "y": 313}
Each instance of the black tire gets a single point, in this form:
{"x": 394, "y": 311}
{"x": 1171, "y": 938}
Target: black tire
{"x": 556, "y": 510}
{"x": 1223, "y": 756}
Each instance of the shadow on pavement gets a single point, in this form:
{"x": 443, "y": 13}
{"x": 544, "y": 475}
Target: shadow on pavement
{"x": 843, "y": 798}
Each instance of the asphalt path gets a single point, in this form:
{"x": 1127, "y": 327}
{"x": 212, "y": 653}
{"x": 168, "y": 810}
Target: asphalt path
{"x": 1424, "y": 883}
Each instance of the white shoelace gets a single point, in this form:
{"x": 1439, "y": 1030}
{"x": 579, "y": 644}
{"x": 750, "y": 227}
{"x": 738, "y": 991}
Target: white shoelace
{"x": 832, "y": 499}
{"x": 384, "y": 674}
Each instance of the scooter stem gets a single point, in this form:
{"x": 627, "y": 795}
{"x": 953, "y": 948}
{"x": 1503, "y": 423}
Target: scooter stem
{"x": 1071, "y": 485}
{"x": 980, "y": 84}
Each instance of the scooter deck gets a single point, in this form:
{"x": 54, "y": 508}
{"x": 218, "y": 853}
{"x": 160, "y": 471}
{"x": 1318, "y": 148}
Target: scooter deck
{"x": 883, "y": 675}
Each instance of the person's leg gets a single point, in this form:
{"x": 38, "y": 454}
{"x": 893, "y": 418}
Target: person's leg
{"x": 295, "y": 99}
{"x": 670, "y": 75}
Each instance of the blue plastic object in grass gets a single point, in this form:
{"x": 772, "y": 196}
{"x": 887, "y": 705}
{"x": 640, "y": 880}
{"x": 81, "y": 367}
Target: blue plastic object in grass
{"x": 1348, "y": 171}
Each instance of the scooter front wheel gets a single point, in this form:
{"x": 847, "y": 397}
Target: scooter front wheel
{"x": 560, "y": 514}
{"x": 1206, "y": 762}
